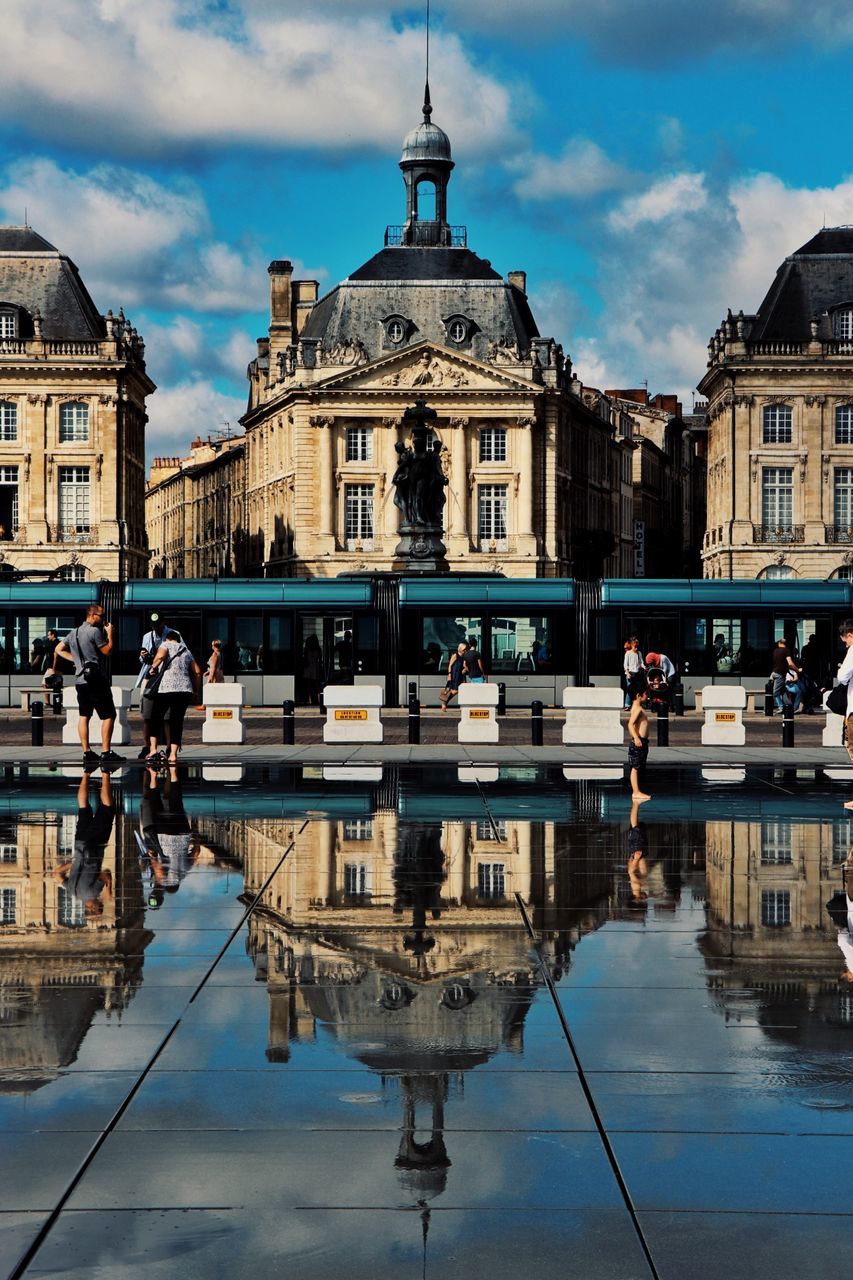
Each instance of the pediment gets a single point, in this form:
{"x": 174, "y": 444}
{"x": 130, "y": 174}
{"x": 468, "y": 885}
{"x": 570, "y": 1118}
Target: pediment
{"x": 431, "y": 367}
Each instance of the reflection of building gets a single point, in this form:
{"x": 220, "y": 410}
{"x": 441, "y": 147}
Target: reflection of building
{"x": 193, "y": 511}
{"x": 780, "y": 412}
{"x": 768, "y": 882}
{"x": 72, "y": 421}
{"x": 60, "y": 968}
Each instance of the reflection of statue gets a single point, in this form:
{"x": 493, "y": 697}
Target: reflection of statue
{"x": 419, "y": 480}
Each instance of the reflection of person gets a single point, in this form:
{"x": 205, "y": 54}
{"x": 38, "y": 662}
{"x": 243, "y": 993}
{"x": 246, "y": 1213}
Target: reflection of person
{"x": 87, "y": 647}
{"x": 312, "y": 670}
{"x": 638, "y": 732}
{"x": 455, "y": 675}
{"x": 214, "y": 673}
{"x": 84, "y": 875}
{"x": 343, "y": 654}
{"x": 179, "y": 686}
{"x": 432, "y": 657}
{"x": 637, "y": 850}
{"x": 169, "y": 847}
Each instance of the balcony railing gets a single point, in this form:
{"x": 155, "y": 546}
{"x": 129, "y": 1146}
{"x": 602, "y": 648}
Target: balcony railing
{"x": 89, "y": 536}
{"x": 12, "y": 347}
{"x": 428, "y": 235}
{"x": 778, "y": 533}
{"x": 777, "y": 348}
{"x": 838, "y": 533}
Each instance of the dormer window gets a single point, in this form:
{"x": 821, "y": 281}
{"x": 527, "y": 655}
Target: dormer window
{"x": 842, "y": 324}
{"x": 396, "y": 330}
{"x": 458, "y": 330}
{"x": 8, "y": 324}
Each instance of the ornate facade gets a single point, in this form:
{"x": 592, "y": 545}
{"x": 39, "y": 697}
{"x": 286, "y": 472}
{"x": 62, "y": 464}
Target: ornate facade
{"x": 780, "y": 413}
{"x": 535, "y": 470}
{"x": 72, "y": 421}
{"x": 193, "y": 511}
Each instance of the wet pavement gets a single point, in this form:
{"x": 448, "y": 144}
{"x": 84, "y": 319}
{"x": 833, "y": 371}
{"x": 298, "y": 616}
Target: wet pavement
{"x": 415, "y": 1022}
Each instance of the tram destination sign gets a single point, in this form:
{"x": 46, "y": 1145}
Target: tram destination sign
{"x": 350, "y": 713}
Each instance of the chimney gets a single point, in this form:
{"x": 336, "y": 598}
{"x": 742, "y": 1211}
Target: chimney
{"x": 305, "y": 293}
{"x": 281, "y": 308}
{"x": 519, "y": 280}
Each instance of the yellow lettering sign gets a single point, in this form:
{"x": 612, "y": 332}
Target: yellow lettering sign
{"x": 725, "y": 717}
{"x": 477, "y": 713}
{"x": 223, "y": 715}
{"x": 350, "y": 713}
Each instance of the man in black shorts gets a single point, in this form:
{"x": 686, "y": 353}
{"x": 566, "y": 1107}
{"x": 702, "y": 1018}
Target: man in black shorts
{"x": 86, "y": 647}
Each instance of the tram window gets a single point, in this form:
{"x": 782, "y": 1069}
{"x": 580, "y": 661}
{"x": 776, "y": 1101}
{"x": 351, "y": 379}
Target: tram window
{"x": 216, "y": 626}
{"x": 32, "y": 647}
{"x": 725, "y": 634}
{"x": 521, "y": 644}
{"x": 248, "y": 644}
{"x": 441, "y": 635}
{"x": 279, "y": 656}
{"x": 130, "y": 628}
{"x": 342, "y": 651}
{"x": 696, "y": 656}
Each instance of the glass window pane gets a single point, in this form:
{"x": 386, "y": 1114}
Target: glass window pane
{"x": 441, "y": 635}
{"x": 492, "y": 516}
{"x": 490, "y": 880}
{"x": 775, "y": 907}
{"x": 342, "y": 651}
{"x": 777, "y": 847}
{"x": 493, "y": 444}
{"x": 359, "y": 444}
{"x": 726, "y": 633}
{"x": 73, "y": 422}
{"x": 842, "y": 325}
{"x": 844, "y": 424}
{"x": 777, "y": 497}
{"x": 778, "y": 427}
{"x": 248, "y": 644}
{"x": 8, "y": 502}
{"x": 521, "y": 644}
{"x": 279, "y": 659}
{"x": 8, "y": 420}
{"x": 358, "y": 516}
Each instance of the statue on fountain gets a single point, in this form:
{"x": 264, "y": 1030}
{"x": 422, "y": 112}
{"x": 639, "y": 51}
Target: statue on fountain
{"x": 419, "y": 485}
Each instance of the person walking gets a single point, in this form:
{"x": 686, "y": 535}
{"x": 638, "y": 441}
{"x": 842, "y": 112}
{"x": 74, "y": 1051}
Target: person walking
{"x": 87, "y": 647}
{"x": 781, "y": 663}
{"x": 475, "y": 672}
{"x": 214, "y": 673}
{"x": 638, "y": 732}
{"x": 632, "y": 665}
{"x": 178, "y": 688}
{"x": 455, "y": 675}
{"x": 151, "y": 642}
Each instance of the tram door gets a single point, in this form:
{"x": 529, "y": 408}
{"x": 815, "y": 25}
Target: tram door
{"x": 325, "y": 653}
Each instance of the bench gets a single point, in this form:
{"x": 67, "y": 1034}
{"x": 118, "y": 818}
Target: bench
{"x": 29, "y": 695}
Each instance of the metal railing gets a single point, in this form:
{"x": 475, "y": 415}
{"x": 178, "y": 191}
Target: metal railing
{"x": 838, "y": 533}
{"x": 429, "y": 234}
{"x": 778, "y": 533}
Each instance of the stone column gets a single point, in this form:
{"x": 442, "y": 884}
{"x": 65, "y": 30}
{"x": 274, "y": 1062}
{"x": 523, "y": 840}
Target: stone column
{"x": 325, "y": 882}
{"x": 524, "y": 438}
{"x": 523, "y": 879}
{"x": 34, "y": 489}
{"x": 457, "y": 498}
{"x": 455, "y": 843}
{"x": 325, "y": 477}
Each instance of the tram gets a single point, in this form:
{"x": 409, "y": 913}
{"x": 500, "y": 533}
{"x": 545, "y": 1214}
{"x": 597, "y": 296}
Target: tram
{"x": 537, "y": 635}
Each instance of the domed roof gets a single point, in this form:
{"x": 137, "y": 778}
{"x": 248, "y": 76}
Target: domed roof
{"x": 426, "y": 142}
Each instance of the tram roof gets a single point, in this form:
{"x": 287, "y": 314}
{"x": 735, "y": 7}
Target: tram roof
{"x": 74, "y": 595}
{"x": 263, "y": 592}
{"x": 780, "y": 593}
{"x": 439, "y": 592}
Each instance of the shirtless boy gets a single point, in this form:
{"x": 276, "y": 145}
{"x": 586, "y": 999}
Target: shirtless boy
{"x": 638, "y": 732}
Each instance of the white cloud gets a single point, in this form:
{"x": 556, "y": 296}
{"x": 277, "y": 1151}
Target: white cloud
{"x": 580, "y": 171}
{"x": 678, "y": 194}
{"x": 177, "y": 414}
{"x": 165, "y": 74}
{"x": 137, "y": 242}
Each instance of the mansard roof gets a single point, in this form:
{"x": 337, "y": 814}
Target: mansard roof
{"x": 37, "y": 277}
{"x": 814, "y": 280}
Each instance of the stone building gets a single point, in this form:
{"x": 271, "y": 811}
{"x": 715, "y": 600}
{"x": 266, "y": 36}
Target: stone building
{"x": 668, "y": 483}
{"x": 72, "y": 421}
{"x": 535, "y": 469}
{"x": 194, "y": 510}
{"x": 780, "y": 412}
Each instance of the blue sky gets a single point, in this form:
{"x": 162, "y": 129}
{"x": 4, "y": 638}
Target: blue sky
{"x": 647, "y": 165}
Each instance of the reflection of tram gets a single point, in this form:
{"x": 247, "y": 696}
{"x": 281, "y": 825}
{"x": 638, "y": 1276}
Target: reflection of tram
{"x": 536, "y": 635}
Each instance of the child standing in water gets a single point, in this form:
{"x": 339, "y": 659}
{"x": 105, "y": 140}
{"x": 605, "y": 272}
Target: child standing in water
{"x": 638, "y": 732}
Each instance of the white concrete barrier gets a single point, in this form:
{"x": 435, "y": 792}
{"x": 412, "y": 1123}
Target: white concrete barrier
{"x": 352, "y": 772}
{"x": 592, "y": 716}
{"x": 121, "y": 731}
{"x": 479, "y": 706}
{"x": 223, "y": 719}
{"x": 724, "y": 706}
{"x": 474, "y": 773}
{"x": 832, "y": 730}
{"x": 352, "y": 713}
{"x": 593, "y": 773}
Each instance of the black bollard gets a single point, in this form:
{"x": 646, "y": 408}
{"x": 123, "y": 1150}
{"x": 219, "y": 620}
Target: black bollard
{"x": 501, "y": 700}
{"x": 768, "y": 698}
{"x": 413, "y": 689}
{"x": 788, "y": 724}
{"x": 663, "y": 727}
{"x": 678, "y": 698}
{"x": 56, "y": 696}
{"x": 536, "y": 724}
{"x": 37, "y": 723}
{"x": 288, "y": 723}
{"x": 414, "y": 719}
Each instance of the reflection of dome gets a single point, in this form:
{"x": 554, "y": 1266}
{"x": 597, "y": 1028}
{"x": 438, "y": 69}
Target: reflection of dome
{"x": 426, "y": 142}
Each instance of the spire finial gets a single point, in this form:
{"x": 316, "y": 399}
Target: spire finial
{"x": 427, "y": 103}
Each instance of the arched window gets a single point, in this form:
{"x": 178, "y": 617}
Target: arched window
{"x": 844, "y": 573}
{"x": 73, "y": 422}
{"x": 8, "y": 420}
{"x": 842, "y": 324}
{"x": 425, "y": 200}
{"x": 777, "y": 572}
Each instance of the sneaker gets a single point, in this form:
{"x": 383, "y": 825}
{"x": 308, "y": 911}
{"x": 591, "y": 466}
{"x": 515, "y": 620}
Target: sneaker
{"x": 143, "y": 755}
{"x": 109, "y": 758}
{"x": 91, "y": 757}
